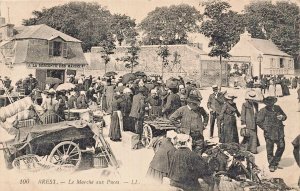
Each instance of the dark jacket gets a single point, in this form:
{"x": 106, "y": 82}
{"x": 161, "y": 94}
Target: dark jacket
{"x": 215, "y": 103}
{"x": 162, "y": 158}
{"x": 190, "y": 120}
{"x": 185, "y": 169}
{"x": 138, "y": 106}
{"x": 267, "y": 120}
{"x": 172, "y": 104}
{"x": 248, "y": 114}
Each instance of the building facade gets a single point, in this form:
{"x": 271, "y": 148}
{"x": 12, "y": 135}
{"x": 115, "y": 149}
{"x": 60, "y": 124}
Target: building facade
{"x": 266, "y": 58}
{"x": 39, "y": 50}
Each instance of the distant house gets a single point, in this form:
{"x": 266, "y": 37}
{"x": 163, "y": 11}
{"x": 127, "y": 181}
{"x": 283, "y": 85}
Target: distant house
{"x": 272, "y": 60}
{"x": 39, "y": 50}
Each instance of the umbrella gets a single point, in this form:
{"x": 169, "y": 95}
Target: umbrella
{"x": 51, "y": 80}
{"x": 128, "y": 77}
{"x": 140, "y": 73}
{"x": 65, "y": 86}
{"x": 111, "y": 73}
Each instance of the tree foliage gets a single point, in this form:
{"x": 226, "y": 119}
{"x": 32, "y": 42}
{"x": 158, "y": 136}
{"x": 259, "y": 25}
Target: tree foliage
{"x": 108, "y": 46}
{"x": 88, "y": 22}
{"x": 278, "y": 22}
{"x": 123, "y": 27}
{"x": 222, "y": 26}
{"x": 164, "y": 53}
{"x": 170, "y": 25}
{"x": 131, "y": 60}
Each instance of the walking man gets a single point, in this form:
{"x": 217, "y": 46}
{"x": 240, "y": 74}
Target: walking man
{"x": 214, "y": 104}
{"x": 270, "y": 119}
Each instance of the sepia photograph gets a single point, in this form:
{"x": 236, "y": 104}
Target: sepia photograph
{"x": 150, "y": 95}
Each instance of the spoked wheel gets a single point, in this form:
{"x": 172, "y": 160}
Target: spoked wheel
{"x": 147, "y": 135}
{"x": 66, "y": 154}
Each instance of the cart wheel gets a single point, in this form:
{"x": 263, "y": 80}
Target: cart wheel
{"x": 66, "y": 154}
{"x": 147, "y": 135}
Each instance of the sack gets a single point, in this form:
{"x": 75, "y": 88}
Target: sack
{"x": 245, "y": 132}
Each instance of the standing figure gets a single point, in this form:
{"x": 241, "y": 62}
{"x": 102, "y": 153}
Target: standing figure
{"x": 193, "y": 120}
{"x": 154, "y": 103}
{"x": 128, "y": 124}
{"x": 31, "y": 84}
{"x": 187, "y": 167}
{"x": 160, "y": 165}
{"x": 116, "y": 122}
{"x": 138, "y": 112}
{"x": 248, "y": 118}
{"x": 214, "y": 104}
{"x": 229, "y": 132}
{"x": 298, "y": 92}
{"x": 172, "y": 104}
{"x": 272, "y": 88}
{"x": 270, "y": 119}
{"x": 182, "y": 94}
{"x": 51, "y": 105}
{"x": 108, "y": 94}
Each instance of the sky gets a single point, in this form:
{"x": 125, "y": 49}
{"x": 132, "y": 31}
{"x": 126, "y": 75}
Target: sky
{"x": 137, "y": 9}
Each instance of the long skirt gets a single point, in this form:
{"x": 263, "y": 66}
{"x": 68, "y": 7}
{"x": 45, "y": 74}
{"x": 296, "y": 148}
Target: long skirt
{"x": 229, "y": 133}
{"x": 272, "y": 91}
{"x": 115, "y": 130}
{"x": 279, "y": 90}
{"x": 156, "y": 175}
{"x": 251, "y": 142}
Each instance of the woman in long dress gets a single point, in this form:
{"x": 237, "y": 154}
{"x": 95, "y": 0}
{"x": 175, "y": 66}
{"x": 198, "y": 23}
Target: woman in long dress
{"x": 272, "y": 89}
{"x": 115, "y": 125}
{"x": 278, "y": 86}
{"x": 229, "y": 132}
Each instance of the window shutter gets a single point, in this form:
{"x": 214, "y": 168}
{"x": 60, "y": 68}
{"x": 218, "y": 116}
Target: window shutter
{"x": 50, "y": 48}
{"x": 65, "y": 50}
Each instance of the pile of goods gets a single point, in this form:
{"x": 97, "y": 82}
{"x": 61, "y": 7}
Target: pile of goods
{"x": 235, "y": 168}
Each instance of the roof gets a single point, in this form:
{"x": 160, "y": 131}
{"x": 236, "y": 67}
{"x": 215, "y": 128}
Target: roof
{"x": 42, "y": 32}
{"x": 267, "y": 47}
{"x": 25, "y": 52}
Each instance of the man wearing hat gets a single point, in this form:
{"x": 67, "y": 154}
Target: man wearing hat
{"x": 173, "y": 101}
{"x": 214, "y": 104}
{"x": 248, "y": 118}
{"x": 30, "y": 84}
{"x": 187, "y": 167}
{"x": 160, "y": 164}
{"x": 193, "y": 120}
{"x": 7, "y": 84}
{"x": 138, "y": 111}
{"x": 270, "y": 119}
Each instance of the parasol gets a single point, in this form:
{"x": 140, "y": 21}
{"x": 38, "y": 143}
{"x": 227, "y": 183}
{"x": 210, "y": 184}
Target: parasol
{"x": 65, "y": 86}
{"x": 51, "y": 80}
{"x": 111, "y": 73}
{"x": 128, "y": 77}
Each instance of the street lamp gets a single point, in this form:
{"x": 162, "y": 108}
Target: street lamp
{"x": 259, "y": 58}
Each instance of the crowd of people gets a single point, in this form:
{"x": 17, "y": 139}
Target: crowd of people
{"x": 130, "y": 101}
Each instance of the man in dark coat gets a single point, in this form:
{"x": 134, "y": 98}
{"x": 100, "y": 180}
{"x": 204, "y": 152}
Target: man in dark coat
{"x": 31, "y": 84}
{"x": 160, "y": 164}
{"x": 270, "y": 119}
{"x": 248, "y": 118}
{"x": 214, "y": 104}
{"x": 138, "y": 111}
{"x": 125, "y": 105}
{"x": 193, "y": 120}
{"x": 187, "y": 167}
{"x": 172, "y": 104}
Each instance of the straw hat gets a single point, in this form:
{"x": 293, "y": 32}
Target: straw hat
{"x": 229, "y": 96}
{"x": 251, "y": 95}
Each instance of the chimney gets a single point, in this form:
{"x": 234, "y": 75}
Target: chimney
{"x": 245, "y": 36}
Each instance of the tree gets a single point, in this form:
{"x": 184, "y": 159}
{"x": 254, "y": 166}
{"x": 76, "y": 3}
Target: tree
{"x": 278, "y": 22}
{"x": 132, "y": 59}
{"x": 88, "y": 22}
{"x": 123, "y": 27}
{"x": 170, "y": 25}
{"x": 108, "y": 46}
{"x": 164, "y": 53}
{"x": 223, "y": 27}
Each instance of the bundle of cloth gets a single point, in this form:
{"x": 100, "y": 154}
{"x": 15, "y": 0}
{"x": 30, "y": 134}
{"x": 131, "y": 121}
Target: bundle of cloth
{"x": 19, "y": 110}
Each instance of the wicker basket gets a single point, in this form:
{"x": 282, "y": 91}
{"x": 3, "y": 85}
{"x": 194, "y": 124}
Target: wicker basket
{"x": 100, "y": 161}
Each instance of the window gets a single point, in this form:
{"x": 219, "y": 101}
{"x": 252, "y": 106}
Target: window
{"x": 57, "y": 48}
{"x": 281, "y": 64}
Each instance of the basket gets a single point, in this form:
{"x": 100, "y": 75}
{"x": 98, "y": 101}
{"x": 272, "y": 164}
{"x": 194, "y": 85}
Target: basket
{"x": 100, "y": 161}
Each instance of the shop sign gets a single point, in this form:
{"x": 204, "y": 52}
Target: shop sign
{"x": 54, "y": 66}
